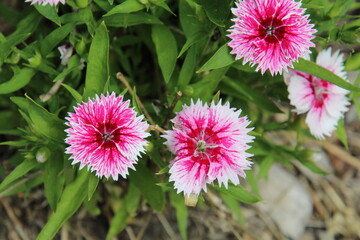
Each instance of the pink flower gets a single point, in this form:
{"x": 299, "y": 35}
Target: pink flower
{"x": 209, "y": 143}
{"x": 106, "y": 135}
{"x": 270, "y": 33}
{"x": 324, "y": 102}
{"x": 44, "y": 2}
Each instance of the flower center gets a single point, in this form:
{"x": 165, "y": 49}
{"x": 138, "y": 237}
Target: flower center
{"x": 106, "y": 136}
{"x": 201, "y": 146}
{"x": 270, "y": 31}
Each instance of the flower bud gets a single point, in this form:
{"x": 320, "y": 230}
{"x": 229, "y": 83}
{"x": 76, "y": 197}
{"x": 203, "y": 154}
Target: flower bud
{"x": 43, "y": 154}
{"x": 35, "y": 61}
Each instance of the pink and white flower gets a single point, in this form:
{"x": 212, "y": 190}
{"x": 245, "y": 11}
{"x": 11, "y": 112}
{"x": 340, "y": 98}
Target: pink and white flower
{"x": 106, "y": 136}
{"x": 324, "y": 102}
{"x": 209, "y": 143}
{"x": 44, "y": 2}
{"x": 270, "y": 33}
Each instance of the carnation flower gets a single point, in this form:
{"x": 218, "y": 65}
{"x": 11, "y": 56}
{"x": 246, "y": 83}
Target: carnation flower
{"x": 44, "y": 2}
{"x": 324, "y": 102}
{"x": 106, "y": 136}
{"x": 209, "y": 143}
{"x": 270, "y": 33}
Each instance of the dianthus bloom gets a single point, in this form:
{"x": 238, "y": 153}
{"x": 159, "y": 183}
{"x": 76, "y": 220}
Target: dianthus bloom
{"x": 270, "y": 33}
{"x": 44, "y": 2}
{"x": 106, "y": 136}
{"x": 324, "y": 102}
{"x": 209, "y": 143}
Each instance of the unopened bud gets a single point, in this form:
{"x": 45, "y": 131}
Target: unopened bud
{"x": 35, "y": 61}
{"x": 191, "y": 200}
{"x": 42, "y": 155}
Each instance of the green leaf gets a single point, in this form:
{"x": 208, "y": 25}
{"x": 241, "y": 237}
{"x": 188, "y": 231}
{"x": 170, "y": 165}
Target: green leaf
{"x": 353, "y": 62}
{"x": 53, "y": 183}
{"x": 188, "y": 67}
{"x": 162, "y": 4}
{"x": 127, "y": 208}
{"x": 313, "y": 167}
{"x": 166, "y": 50}
{"x": 97, "y": 72}
{"x": 17, "y": 173}
{"x": 118, "y": 223}
{"x": 46, "y": 123}
{"x": 71, "y": 199}
{"x": 18, "y": 81}
{"x": 234, "y": 206}
{"x": 24, "y": 29}
{"x": 73, "y": 92}
{"x": 126, "y": 7}
{"x": 177, "y": 201}
{"x": 240, "y": 89}
{"x": 216, "y": 10}
{"x": 221, "y": 58}
{"x": 19, "y": 143}
{"x": 50, "y": 12}
{"x": 54, "y": 38}
{"x": 211, "y": 81}
{"x": 145, "y": 181}
{"x": 191, "y": 41}
{"x": 130, "y": 19}
{"x": 93, "y": 183}
{"x": 265, "y": 166}
{"x": 132, "y": 199}
{"x": 341, "y": 133}
{"x": 320, "y": 72}
{"x": 240, "y": 193}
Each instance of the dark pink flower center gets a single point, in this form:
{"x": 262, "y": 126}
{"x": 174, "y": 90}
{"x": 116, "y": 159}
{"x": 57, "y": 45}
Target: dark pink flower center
{"x": 107, "y": 135}
{"x": 271, "y": 29}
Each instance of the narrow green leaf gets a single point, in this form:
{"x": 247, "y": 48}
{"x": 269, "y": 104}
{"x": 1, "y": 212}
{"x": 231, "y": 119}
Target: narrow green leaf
{"x": 265, "y": 166}
{"x": 216, "y": 10}
{"x": 240, "y": 193}
{"x": 177, "y": 201}
{"x": 118, "y": 223}
{"x": 130, "y": 19}
{"x": 221, "y": 58}
{"x": 145, "y": 181}
{"x": 49, "y": 12}
{"x": 211, "y": 81}
{"x": 17, "y": 173}
{"x": 97, "y": 72}
{"x": 162, "y": 4}
{"x": 127, "y": 208}
{"x": 18, "y": 81}
{"x": 313, "y": 167}
{"x": 318, "y": 71}
{"x": 24, "y": 29}
{"x": 132, "y": 199}
{"x": 127, "y": 6}
{"x": 341, "y": 133}
{"x": 52, "y": 182}
{"x": 46, "y": 123}
{"x": 191, "y": 41}
{"x": 188, "y": 68}
{"x": 73, "y": 196}
{"x": 93, "y": 183}
{"x": 234, "y": 206}
{"x": 240, "y": 89}
{"x": 166, "y": 49}
{"x": 24, "y": 186}
{"x": 20, "y": 143}
{"x": 73, "y": 92}
{"x": 54, "y": 38}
